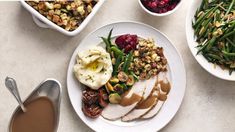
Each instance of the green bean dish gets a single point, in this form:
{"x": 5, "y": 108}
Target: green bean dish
{"x": 214, "y": 30}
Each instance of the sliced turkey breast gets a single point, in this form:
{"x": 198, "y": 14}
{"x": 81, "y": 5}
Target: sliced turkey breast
{"x": 116, "y": 111}
{"x": 153, "y": 111}
{"x": 148, "y": 101}
{"x": 163, "y": 88}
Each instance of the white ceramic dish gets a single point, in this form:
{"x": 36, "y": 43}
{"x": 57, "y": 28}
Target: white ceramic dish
{"x": 43, "y": 22}
{"x": 176, "y": 70}
{"x": 158, "y": 14}
{"x": 210, "y": 67}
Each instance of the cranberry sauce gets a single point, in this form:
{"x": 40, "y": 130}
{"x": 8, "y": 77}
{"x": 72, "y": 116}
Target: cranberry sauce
{"x": 160, "y": 6}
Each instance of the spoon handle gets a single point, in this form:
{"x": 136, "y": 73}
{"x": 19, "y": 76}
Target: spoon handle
{"x": 12, "y": 87}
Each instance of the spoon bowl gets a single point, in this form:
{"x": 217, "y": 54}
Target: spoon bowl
{"x": 11, "y": 85}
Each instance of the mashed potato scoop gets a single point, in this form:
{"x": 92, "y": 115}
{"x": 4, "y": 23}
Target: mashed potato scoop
{"x": 94, "y": 67}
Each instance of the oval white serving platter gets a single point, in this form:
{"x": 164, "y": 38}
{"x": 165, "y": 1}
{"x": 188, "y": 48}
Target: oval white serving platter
{"x": 176, "y": 71}
{"x": 209, "y": 67}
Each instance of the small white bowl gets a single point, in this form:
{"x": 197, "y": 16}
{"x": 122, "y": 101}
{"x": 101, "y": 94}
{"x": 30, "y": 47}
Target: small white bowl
{"x": 159, "y": 14}
{"x": 43, "y": 22}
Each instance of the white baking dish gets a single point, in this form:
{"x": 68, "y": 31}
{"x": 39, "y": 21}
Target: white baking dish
{"x": 43, "y": 22}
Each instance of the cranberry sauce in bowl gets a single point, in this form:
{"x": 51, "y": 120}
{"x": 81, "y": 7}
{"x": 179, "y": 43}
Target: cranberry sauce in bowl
{"x": 160, "y": 6}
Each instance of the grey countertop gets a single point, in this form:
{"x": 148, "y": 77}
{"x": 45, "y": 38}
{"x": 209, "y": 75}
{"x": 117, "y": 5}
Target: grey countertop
{"x": 31, "y": 54}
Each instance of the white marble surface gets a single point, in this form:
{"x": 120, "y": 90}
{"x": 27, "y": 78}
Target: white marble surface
{"x": 31, "y": 54}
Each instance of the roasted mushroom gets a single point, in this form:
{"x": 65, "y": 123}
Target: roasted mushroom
{"x": 122, "y": 76}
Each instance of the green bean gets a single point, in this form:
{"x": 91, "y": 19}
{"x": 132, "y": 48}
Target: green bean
{"x": 214, "y": 56}
{"x": 116, "y": 65}
{"x": 230, "y": 41}
{"x": 202, "y": 47}
{"x": 228, "y": 34}
{"x": 208, "y": 57}
{"x": 107, "y": 44}
{"x": 230, "y": 7}
{"x": 109, "y": 36}
{"x": 117, "y": 51}
{"x": 197, "y": 12}
{"x": 211, "y": 43}
{"x": 222, "y": 8}
{"x": 217, "y": 16}
{"x": 209, "y": 30}
{"x": 127, "y": 62}
{"x": 107, "y": 41}
{"x": 228, "y": 54}
{"x": 202, "y": 4}
{"x": 227, "y": 48}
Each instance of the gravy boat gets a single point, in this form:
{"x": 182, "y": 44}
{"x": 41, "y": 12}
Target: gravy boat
{"x": 49, "y": 88}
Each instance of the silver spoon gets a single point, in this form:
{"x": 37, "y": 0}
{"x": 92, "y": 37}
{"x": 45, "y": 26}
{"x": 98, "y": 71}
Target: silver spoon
{"x": 12, "y": 87}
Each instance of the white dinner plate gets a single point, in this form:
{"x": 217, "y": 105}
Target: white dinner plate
{"x": 210, "y": 67}
{"x": 175, "y": 68}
